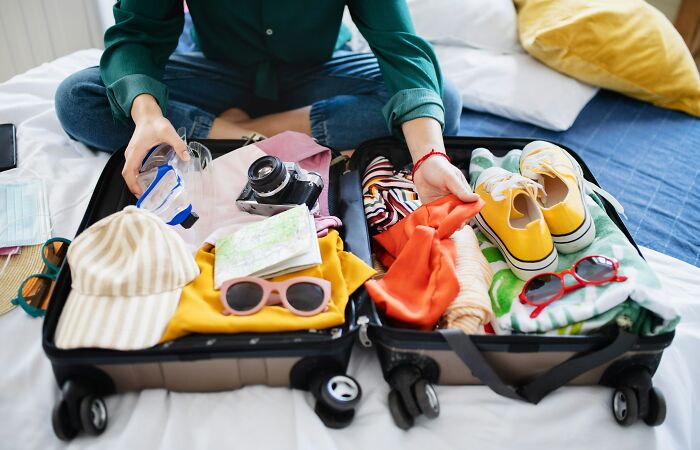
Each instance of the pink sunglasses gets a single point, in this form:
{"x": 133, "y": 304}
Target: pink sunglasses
{"x": 304, "y": 296}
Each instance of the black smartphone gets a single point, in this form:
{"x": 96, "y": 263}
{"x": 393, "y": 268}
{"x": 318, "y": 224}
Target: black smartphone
{"x": 8, "y": 147}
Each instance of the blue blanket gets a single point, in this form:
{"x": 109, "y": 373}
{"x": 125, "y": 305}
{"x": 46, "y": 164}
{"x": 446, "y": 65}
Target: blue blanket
{"x": 647, "y": 157}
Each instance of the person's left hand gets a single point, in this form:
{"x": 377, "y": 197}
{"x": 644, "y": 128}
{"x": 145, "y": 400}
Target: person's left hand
{"x": 437, "y": 177}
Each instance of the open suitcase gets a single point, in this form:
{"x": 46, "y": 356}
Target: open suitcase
{"x": 523, "y": 367}
{"x": 314, "y": 360}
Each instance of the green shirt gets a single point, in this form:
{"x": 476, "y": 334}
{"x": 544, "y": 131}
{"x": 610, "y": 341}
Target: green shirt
{"x": 261, "y": 33}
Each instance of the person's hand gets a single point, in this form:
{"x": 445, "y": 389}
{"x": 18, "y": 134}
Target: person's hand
{"x": 151, "y": 129}
{"x": 436, "y": 177}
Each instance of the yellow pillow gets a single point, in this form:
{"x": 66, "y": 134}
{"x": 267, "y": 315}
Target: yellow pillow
{"x": 623, "y": 45}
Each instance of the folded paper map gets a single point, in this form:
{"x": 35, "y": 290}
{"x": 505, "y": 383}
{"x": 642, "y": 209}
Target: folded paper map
{"x": 280, "y": 244}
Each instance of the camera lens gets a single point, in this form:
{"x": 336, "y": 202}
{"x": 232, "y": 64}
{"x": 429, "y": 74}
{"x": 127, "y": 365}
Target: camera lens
{"x": 263, "y": 171}
{"x": 268, "y": 176}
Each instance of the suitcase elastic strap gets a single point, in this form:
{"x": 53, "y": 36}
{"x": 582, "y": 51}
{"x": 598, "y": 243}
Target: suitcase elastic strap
{"x": 554, "y": 378}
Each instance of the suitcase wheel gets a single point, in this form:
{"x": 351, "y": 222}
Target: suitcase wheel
{"x": 636, "y": 398}
{"x": 340, "y": 392}
{"x": 402, "y": 379}
{"x": 413, "y": 396}
{"x": 625, "y": 406}
{"x": 398, "y": 411}
{"x": 657, "y": 408}
{"x": 60, "y": 420}
{"x": 93, "y": 415}
{"x": 409, "y": 402}
{"x": 78, "y": 410}
{"x": 427, "y": 399}
{"x": 336, "y": 398}
{"x": 333, "y": 418}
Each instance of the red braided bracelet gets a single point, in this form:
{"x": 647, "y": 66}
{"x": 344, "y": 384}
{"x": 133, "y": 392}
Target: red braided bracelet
{"x": 432, "y": 152}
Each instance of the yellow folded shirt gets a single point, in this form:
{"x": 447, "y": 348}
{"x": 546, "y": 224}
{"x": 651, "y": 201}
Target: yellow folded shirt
{"x": 200, "y": 309}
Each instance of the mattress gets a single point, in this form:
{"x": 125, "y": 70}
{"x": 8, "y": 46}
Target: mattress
{"x": 263, "y": 417}
{"x": 647, "y": 157}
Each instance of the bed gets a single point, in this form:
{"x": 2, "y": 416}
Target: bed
{"x": 471, "y": 417}
{"x": 646, "y": 156}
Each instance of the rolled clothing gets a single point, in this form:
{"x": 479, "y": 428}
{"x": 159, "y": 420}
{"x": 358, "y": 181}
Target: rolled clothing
{"x": 420, "y": 281}
{"x": 471, "y": 309}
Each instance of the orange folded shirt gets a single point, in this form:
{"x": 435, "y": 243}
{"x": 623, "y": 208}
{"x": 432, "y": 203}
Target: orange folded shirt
{"x": 421, "y": 280}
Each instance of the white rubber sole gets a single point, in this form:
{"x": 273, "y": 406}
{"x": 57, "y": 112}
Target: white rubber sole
{"x": 579, "y": 239}
{"x": 522, "y": 269}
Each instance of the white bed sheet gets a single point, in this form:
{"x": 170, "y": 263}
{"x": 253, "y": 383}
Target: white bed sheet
{"x": 262, "y": 417}
{"x": 489, "y": 68}
{"x": 70, "y": 170}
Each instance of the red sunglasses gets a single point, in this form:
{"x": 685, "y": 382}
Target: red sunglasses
{"x": 545, "y": 288}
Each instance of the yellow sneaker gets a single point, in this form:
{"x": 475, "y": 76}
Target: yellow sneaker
{"x": 511, "y": 219}
{"x": 562, "y": 202}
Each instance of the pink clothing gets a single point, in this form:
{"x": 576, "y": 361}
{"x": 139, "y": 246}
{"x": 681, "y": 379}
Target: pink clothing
{"x": 217, "y": 208}
{"x": 291, "y": 146}
{"x": 218, "y": 212}
{"x": 324, "y": 223}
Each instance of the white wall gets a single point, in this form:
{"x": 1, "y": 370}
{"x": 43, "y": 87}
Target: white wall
{"x": 36, "y": 31}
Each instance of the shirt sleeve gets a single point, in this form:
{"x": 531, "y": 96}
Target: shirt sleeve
{"x": 408, "y": 63}
{"x": 137, "y": 47}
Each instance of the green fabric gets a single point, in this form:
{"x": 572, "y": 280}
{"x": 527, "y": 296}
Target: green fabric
{"x": 259, "y": 34}
{"x": 344, "y": 36}
{"x": 591, "y": 308}
{"x": 411, "y": 104}
{"x": 124, "y": 90}
{"x": 482, "y": 159}
{"x": 638, "y": 304}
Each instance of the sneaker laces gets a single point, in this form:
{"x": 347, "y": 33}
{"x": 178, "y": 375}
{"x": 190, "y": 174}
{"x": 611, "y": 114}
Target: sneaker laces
{"x": 543, "y": 160}
{"x": 499, "y": 184}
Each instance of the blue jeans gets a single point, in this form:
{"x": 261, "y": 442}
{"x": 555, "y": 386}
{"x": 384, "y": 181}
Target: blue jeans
{"x": 346, "y": 95}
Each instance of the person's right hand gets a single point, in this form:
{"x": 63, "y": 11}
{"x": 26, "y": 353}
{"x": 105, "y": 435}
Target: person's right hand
{"x": 437, "y": 177}
{"x": 151, "y": 129}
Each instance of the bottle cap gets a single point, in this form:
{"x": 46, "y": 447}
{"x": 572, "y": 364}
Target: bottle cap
{"x": 190, "y": 220}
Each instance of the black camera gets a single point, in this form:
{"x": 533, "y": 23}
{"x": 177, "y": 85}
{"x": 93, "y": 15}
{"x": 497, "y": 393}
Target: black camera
{"x": 275, "y": 186}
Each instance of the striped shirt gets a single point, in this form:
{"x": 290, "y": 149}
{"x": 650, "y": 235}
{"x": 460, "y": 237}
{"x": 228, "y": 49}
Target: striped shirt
{"x": 388, "y": 196}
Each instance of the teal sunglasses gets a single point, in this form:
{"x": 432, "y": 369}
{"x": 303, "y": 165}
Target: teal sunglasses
{"x": 35, "y": 291}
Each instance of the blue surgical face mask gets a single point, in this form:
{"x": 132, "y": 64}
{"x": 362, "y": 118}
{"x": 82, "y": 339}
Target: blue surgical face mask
{"x": 24, "y": 213}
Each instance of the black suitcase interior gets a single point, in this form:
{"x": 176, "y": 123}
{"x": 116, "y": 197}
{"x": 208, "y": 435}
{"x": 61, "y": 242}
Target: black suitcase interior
{"x": 316, "y": 360}
{"x": 523, "y": 367}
